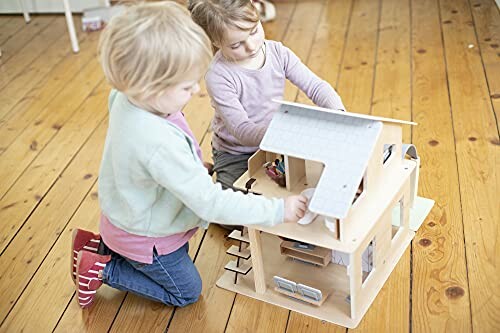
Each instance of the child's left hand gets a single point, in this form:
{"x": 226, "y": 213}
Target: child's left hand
{"x": 210, "y": 167}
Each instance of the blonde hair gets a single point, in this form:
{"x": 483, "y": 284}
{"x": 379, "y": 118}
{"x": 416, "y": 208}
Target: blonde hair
{"x": 151, "y": 46}
{"x": 215, "y": 16}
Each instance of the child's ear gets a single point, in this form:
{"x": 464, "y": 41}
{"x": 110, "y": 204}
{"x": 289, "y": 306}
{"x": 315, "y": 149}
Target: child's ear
{"x": 216, "y": 44}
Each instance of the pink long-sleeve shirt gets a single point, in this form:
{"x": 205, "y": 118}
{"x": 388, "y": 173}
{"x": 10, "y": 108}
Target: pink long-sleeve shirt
{"x": 242, "y": 98}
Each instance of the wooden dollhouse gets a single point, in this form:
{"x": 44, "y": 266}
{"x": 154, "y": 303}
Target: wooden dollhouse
{"x": 364, "y": 197}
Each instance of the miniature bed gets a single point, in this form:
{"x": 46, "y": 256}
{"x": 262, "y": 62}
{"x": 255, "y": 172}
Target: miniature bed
{"x": 365, "y": 197}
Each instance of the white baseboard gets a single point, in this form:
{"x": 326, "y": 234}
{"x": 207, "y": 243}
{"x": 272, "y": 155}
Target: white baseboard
{"x": 47, "y": 6}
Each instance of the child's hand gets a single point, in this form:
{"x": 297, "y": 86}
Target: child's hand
{"x": 210, "y": 167}
{"x": 295, "y": 208}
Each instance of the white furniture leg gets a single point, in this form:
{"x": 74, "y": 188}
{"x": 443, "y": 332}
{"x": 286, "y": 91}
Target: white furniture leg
{"x": 26, "y": 14}
{"x": 71, "y": 27}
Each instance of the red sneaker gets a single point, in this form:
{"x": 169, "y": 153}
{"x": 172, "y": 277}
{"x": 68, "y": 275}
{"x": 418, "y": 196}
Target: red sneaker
{"x": 82, "y": 240}
{"x": 89, "y": 267}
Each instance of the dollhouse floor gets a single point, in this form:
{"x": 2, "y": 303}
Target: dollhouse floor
{"x": 434, "y": 62}
{"x": 332, "y": 280}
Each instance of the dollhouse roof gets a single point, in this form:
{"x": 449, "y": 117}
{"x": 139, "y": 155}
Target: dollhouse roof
{"x": 342, "y": 141}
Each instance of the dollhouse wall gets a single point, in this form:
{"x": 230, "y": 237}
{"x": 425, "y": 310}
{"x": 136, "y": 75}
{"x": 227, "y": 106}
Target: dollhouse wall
{"x": 377, "y": 173}
{"x": 385, "y": 244}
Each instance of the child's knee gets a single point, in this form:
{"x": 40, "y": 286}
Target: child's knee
{"x": 191, "y": 293}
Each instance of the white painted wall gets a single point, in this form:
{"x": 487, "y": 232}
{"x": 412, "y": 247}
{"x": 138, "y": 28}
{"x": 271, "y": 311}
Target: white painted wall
{"x": 47, "y": 6}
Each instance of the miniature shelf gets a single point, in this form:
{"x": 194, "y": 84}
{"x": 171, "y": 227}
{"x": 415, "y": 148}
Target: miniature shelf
{"x": 242, "y": 269}
{"x": 236, "y": 235}
{"x": 317, "y": 256}
{"x": 302, "y": 298}
{"x": 234, "y": 251}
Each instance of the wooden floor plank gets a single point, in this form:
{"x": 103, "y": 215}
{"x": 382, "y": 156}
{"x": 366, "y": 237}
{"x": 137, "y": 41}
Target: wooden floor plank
{"x": 27, "y": 45}
{"x": 37, "y": 71}
{"x": 49, "y": 121}
{"x": 31, "y": 183}
{"x": 356, "y": 76}
{"x": 329, "y": 42}
{"x": 440, "y": 300}
{"x": 13, "y": 28}
{"x": 478, "y": 157}
{"x": 299, "y": 323}
{"x": 486, "y": 19}
{"x": 300, "y": 34}
{"x": 54, "y": 275}
{"x": 392, "y": 98}
{"x": 45, "y": 225}
{"x": 4, "y": 20}
{"x": 252, "y": 315}
{"x": 38, "y": 98}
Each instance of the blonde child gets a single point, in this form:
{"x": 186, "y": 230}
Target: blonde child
{"x": 153, "y": 187}
{"x": 246, "y": 74}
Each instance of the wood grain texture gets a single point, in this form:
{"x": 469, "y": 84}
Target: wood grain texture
{"x": 478, "y": 161}
{"x": 486, "y": 23}
{"x": 19, "y": 113}
{"x": 355, "y": 84}
{"x": 30, "y": 246}
{"x": 439, "y": 267}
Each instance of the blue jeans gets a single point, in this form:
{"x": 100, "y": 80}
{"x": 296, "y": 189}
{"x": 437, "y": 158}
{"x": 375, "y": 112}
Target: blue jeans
{"x": 171, "y": 279}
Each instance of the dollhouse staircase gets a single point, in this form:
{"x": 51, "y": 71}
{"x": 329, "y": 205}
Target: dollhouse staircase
{"x": 242, "y": 253}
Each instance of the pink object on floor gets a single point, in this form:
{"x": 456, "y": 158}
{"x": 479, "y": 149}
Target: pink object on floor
{"x": 89, "y": 269}
{"x": 82, "y": 240}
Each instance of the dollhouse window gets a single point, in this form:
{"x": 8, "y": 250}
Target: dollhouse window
{"x": 388, "y": 152}
{"x": 367, "y": 260}
{"x": 397, "y": 218}
{"x": 361, "y": 190}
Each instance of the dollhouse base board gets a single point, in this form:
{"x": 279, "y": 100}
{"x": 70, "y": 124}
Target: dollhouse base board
{"x": 421, "y": 208}
{"x": 333, "y": 277}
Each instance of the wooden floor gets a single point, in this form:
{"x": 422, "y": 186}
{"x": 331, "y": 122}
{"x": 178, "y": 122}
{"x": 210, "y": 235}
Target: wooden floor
{"x": 436, "y": 62}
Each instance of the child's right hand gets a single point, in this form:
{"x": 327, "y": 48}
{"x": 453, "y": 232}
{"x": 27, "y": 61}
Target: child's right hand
{"x": 295, "y": 208}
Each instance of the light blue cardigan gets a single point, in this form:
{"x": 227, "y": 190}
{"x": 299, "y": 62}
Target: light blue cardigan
{"x": 152, "y": 182}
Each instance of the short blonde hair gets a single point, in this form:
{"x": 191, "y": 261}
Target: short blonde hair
{"x": 151, "y": 46}
{"x": 215, "y": 16}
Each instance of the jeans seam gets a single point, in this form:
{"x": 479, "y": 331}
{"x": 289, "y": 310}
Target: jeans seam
{"x": 127, "y": 286}
{"x": 139, "y": 290}
{"x": 165, "y": 270}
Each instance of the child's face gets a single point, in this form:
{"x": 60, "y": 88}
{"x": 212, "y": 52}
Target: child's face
{"x": 175, "y": 97}
{"x": 243, "y": 45}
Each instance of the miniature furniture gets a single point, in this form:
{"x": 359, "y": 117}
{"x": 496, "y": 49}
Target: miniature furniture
{"x": 365, "y": 199}
{"x": 312, "y": 254}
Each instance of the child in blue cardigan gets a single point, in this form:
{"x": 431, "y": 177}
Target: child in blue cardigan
{"x": 154, "y": 191}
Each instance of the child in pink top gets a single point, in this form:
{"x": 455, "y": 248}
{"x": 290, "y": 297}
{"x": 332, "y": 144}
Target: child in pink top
{"x": 246, "y": 74}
